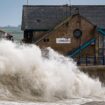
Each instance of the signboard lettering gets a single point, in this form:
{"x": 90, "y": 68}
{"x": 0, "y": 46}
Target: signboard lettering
{"x": 63, "y": 40}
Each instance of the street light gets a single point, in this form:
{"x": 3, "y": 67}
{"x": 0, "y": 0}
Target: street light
{"x": 27, "y": 2}
{"x": 69, "y": 1}
{"x": 70, "y": 4}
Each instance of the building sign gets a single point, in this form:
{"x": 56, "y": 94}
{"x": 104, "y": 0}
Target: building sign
{"x": 63, "y": 40}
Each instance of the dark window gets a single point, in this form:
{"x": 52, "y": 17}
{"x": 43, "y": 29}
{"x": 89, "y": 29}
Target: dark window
{"x": 38, "y": 20}
{"x": 67, "y": 24}
{"x": 46, "y": 40}
{"x": 77, "y": 33}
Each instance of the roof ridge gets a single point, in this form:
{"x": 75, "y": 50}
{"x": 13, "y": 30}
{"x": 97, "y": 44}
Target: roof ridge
{"x": 65, "y": 5}
{"x": 46, "y": 5}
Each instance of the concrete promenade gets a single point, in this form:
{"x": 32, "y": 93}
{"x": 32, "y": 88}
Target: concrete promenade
{"x": 95, "y": 72}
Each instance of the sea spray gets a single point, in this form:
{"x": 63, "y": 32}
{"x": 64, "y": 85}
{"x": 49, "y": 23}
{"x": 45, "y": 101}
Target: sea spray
{"x": 27, "y": 73}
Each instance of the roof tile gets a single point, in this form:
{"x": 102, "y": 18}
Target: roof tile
{"x": 46, "y": 17}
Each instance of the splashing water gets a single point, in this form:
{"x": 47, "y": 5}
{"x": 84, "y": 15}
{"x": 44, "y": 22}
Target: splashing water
{"x": 25, "y": 74}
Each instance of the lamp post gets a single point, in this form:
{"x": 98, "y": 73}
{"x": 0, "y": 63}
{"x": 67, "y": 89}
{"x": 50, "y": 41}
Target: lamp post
{"x": 70, "y": 2}
{"x": 27, "y": 2}
{"x": 70, "y": 5}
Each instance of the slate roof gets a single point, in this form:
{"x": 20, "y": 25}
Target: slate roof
{"x": 45, "y": 17}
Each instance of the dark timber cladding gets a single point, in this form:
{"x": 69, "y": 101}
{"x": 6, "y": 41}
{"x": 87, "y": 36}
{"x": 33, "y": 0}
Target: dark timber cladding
{"x": 77, "y": 31}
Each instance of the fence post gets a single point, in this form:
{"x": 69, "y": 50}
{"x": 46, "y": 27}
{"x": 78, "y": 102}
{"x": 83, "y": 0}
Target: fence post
{"x": 94, "y": 60}
{"x": 86, "y": 61}
{"x": 103, "y": 60}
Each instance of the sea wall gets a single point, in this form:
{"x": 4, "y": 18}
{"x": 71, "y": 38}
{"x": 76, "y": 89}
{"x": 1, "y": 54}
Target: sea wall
{"x": 95, "y": 72}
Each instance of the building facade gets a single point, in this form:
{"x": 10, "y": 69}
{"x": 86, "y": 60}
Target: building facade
{"x": 76, "y": 31}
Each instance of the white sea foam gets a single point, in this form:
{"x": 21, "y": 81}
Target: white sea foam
{"x": 27, "y": 73}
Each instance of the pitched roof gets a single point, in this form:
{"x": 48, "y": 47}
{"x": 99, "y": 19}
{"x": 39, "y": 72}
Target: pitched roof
{"x": 46, "y": 17}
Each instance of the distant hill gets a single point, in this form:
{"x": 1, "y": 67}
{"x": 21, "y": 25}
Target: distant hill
{"x": 15, "y": 31}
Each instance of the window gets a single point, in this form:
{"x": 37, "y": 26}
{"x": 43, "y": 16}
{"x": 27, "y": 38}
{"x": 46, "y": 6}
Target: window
{"x": 67, "y": 24}
{"x": 77, "y": 33}
{"x": 38, "y": 20}
{"x": 46, "y": 40}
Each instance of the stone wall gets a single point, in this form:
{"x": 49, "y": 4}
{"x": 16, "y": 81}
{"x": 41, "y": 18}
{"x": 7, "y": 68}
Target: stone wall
{"x": 94, "y": 72}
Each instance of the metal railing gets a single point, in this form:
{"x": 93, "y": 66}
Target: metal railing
{"x": 90, "y": 60}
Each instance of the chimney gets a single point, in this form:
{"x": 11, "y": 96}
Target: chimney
{"x": 76, "y": 11}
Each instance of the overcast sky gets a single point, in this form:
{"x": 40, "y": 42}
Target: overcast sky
{"x": 11, "y": 10}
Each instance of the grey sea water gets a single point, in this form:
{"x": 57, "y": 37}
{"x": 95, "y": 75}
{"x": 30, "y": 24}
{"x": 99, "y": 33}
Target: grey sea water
{"x": 28, "y": 77}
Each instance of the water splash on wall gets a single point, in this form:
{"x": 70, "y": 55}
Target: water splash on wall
{"x": 27, "y": 73}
